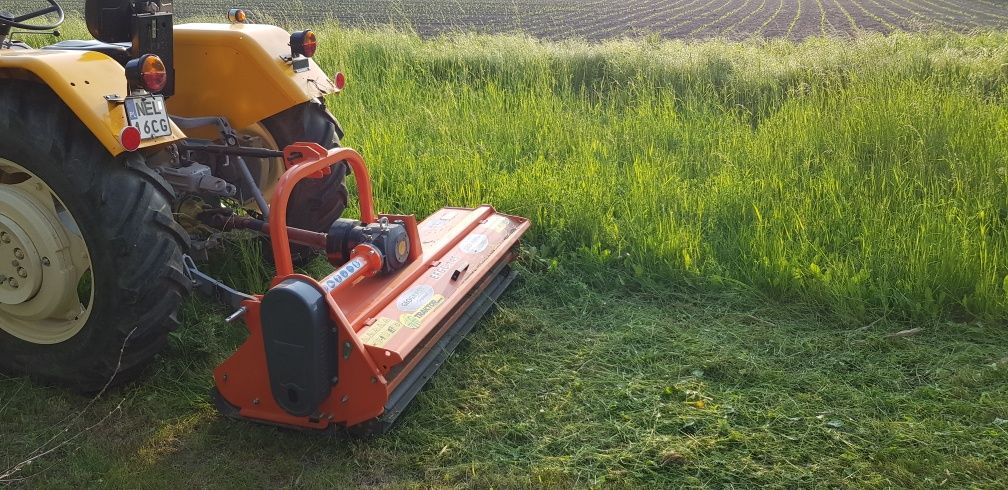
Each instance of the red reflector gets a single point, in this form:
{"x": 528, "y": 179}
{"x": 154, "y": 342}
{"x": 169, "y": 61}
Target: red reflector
{"x": 339, "y": 80}
{"x": 130, "y": 138}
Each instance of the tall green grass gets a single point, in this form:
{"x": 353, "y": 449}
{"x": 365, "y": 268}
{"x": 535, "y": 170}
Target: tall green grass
{"x": 862, "y": 179}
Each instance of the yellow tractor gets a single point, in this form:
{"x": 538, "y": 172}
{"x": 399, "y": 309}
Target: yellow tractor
{"x": 118, "y": 154}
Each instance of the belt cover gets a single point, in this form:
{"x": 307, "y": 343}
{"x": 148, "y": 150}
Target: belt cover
{"x": 300, "y": 346}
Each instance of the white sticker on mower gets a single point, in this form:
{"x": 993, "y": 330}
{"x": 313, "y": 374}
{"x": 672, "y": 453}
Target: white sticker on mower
{"x": 415, "y": 298}
{"x": 475, "y": 243}
{"x": 498, "y": 223}
{"x": 439, "y": 221}
{"x": 343, "y": 273}
{"x": 434, "y": 225}
{"x": 415, "y": 319}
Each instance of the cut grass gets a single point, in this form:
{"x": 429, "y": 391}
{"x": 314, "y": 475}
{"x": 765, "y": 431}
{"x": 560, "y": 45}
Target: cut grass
{"x": 568, "y": 386}
{"x": 724, "y": 235}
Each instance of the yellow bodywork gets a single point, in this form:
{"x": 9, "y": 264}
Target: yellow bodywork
{"x": 238, "y": 71}
{"x": 81, "y": 79}
{"x": 231, "y": 70}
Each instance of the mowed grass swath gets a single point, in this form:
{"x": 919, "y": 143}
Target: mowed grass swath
{"x": 863, "y": 179}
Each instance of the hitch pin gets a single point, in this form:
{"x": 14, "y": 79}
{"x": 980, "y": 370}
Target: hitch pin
{"x": 236, "y": 315}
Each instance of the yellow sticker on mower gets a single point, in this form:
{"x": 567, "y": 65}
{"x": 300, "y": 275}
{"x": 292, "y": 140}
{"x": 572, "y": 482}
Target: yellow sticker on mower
{"x": 381, "y": 332}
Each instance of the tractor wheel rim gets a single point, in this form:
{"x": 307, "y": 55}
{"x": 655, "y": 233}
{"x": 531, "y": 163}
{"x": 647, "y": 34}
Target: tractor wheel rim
{"x": 46, "y": 281}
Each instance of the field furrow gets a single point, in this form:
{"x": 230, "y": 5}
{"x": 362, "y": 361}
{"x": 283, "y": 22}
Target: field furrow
{"x": 701, "y": 23}
{"x": 736, "y": 29}
{"x": 596, "y": 20}
{"x": 897, "y": 20}
{"x": 770, "y": 20}
{"x": 676, "y": 26}
{"x": 654, "y": 21}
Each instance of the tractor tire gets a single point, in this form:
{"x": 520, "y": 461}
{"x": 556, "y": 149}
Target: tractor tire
{"x": 119, "y": 211}
{"x": 314, "y": 204}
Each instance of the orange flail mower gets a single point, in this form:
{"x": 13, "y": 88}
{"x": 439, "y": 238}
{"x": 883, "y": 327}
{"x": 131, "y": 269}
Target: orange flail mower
{"x": 352, "y": 349}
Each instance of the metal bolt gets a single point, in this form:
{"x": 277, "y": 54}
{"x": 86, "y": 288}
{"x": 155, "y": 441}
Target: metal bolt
{"x": 345, "y": 399}
{"x": 334, "y": 380}
{"x": 13, "y": 283}
{"x": 45, "y": 261}
{"x": 346, "y": 350}
{"x": 255, "y": 402}
{"x": 4, "y": 237}
{"x": 15, "y": 263}
{"x": 22, "y": 272}
{"x": 18, "y": 253}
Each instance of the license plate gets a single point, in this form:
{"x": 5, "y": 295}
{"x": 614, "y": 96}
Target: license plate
{"x": 148, "y": 114}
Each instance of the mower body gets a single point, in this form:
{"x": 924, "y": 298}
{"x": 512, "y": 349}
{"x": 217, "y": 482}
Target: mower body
{"x": 350, "y": 350}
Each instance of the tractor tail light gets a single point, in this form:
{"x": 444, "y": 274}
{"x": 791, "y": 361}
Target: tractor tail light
{"x": 149, "y": 71}
{"x": 339, "y": 80}
{"x": 237, "y": 16}
{"x": 303, "y": 43}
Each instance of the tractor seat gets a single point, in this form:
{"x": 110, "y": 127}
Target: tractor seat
{"x": 117, "y": 51}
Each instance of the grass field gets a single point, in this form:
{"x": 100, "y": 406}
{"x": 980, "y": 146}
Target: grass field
{"x": 726, "y": 236}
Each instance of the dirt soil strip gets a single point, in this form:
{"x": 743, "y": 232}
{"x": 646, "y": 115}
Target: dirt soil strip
{"x": 597, "y": 20}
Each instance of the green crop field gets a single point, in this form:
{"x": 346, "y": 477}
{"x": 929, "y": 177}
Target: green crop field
{"x": 759, "y": 263}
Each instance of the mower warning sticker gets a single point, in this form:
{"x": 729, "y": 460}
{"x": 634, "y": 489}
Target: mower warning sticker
{"x": 343, "y": 273}
{"x": 413, "y": 320}
{"x": 381, "y": 332}
{"x": 475, "y": 243}
{"x": 416, "y": 303}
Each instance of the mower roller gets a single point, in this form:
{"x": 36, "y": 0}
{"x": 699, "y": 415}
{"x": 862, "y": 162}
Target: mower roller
{"x": 166, "y": 138}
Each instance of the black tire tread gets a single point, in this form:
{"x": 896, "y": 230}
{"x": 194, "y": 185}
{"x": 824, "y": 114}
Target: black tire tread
{"x": 123, "y": 209}
{"x": 315, "y": 203}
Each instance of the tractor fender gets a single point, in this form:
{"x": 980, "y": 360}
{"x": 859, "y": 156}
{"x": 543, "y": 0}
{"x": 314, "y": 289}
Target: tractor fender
{"x": 82, "y": 79}
{"x": 238, "y": 71}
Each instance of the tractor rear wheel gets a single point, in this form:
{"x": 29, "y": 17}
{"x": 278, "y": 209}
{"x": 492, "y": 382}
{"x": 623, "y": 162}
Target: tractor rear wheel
{"x": 90, "y": 256}
{"x": 314, "y": 204}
